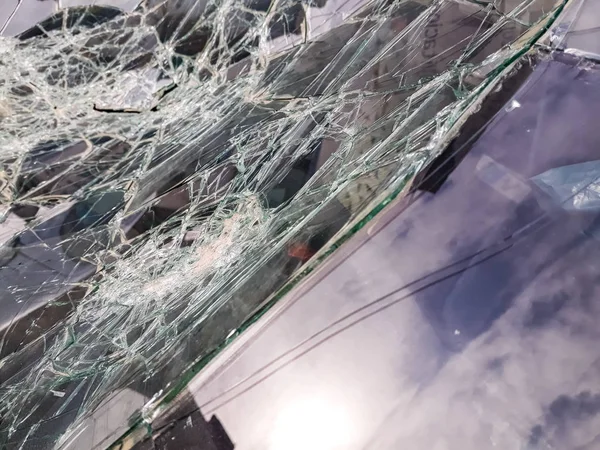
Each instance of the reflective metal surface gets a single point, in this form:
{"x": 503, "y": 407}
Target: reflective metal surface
{"x": 577, "y": 30}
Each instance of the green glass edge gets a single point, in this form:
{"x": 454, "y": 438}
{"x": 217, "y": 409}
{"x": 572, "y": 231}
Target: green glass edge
{"x": 138, "y": 422}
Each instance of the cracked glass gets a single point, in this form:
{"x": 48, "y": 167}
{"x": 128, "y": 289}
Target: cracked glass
{"x": 171, "y": 169}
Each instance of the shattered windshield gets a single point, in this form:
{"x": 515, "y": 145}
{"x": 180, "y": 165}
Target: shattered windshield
{"x": 170, "y": 168}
